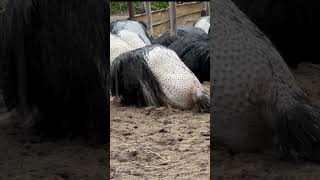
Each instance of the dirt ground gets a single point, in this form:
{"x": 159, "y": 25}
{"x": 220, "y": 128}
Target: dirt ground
{"x": 264, "y": 165}
{"x": 26, "y": 156}
{"x": 147, "y": 143}
{"x": 159, "y": 143}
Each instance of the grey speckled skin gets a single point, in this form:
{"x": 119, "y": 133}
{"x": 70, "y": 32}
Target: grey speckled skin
{"x": 256, "y": 100}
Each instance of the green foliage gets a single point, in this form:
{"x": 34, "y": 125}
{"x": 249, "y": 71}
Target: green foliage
{"x": 159, "y": 5}
{"x": 122, "y": 7}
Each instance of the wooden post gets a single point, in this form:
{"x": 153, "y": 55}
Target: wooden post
{"x": 173, "y": 20}
{"x": 130, "y": 9}
{"x": 204, "y": 9}
{"x": 208, "y": 8}
{"x": 204, "y": 5}
{"x": 147, "y": 8}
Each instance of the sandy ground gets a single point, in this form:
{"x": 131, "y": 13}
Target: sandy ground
{"x": 264, "y": 165}
{"x": 26, "y": 156}
{"x": 159, "y": 143}
{"x": 147, "y": 143}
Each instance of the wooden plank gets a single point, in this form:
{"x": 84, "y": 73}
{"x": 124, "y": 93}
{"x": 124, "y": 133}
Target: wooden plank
{"x": 173, "y": 21}
{"x": 147, "y": 7}
{"x": 208, "y": 10}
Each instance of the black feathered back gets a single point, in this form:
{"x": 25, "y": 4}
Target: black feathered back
{"x": 182, "y": 31}
{"x": 63, "y": 48}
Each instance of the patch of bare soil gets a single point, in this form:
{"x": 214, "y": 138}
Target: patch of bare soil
{"x": 265, "y": 165}
{"x": 25, "y": 156}
{"x": 159, "y": 143}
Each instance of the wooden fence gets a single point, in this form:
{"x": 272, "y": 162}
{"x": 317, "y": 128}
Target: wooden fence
{"x": 187, "y": 15}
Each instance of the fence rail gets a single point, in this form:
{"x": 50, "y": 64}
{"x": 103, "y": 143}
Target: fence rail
{"x": 187, "y": 14}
